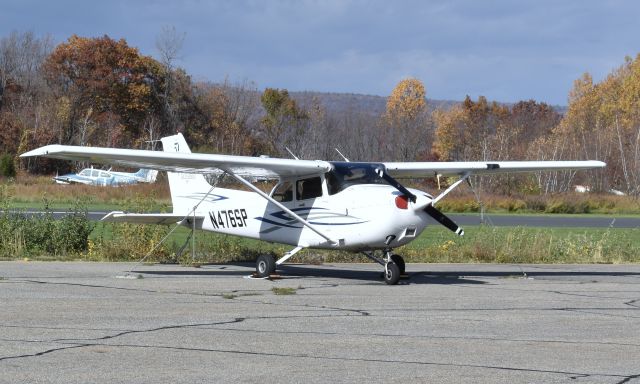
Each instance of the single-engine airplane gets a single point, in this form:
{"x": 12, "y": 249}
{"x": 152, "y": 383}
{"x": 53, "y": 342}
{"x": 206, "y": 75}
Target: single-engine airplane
{"x": 99, "y": 177}
{"x": 353, "y": 206}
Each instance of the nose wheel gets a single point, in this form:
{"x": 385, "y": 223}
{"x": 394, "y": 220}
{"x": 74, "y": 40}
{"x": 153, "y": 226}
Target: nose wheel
{"x": 391, "y": 273}
{"x": 399, "y": 261}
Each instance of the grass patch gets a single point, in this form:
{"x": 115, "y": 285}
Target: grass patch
{"x": 526, "y": 245}
{"x": 283, "y": 291}
{"x": 74, "y": 238}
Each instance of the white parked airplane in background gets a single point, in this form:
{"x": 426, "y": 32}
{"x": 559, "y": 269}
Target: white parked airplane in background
{"x": 353, "y": 206}
{"x": 91, "y": 176}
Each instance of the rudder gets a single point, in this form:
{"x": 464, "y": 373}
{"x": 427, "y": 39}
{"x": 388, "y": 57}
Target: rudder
{"x": 187, "y": 189}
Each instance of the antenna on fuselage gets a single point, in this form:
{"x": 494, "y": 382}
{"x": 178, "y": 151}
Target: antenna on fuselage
{"x": 291, "y": 153}
{"x": 343, "y": 156}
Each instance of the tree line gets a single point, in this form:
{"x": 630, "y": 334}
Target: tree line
{"x": 102, "y": 92}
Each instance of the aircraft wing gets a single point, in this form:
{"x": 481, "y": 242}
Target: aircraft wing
{"x": 146, "y": 218}
{"x": 70, "y": 180}
{"x": 428, "y": 169}
{"x": 245, "y": 166}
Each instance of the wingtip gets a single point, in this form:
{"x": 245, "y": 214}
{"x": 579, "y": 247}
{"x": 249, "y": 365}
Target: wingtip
{"x": 42, "y": 151}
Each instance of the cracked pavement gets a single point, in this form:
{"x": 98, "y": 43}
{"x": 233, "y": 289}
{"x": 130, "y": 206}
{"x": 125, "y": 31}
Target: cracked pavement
{"x": 446, "y": 323}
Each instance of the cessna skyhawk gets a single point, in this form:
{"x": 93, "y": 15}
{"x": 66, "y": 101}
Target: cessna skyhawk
{"x": 353, "y": 206}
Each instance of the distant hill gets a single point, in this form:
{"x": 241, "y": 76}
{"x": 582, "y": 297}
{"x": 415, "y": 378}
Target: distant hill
{"x": 375, "y": 105}
{"x": 342, "y": 102}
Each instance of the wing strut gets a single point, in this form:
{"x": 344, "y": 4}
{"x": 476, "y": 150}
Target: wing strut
{"x": 451, "y": 187}
{"x": 281, "y": 206}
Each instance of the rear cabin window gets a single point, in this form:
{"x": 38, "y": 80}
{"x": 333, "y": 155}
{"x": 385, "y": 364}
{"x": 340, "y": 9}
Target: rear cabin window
{"x": 309, "y": 188}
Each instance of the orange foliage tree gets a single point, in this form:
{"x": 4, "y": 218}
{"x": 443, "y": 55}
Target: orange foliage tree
{"x": 106, "y": 81}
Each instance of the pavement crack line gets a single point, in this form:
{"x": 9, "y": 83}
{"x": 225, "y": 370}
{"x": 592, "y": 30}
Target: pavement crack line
{"x": 41, "y": 353}
{"x": 570, "y": 374}
{"x": 163, "y": 328}
{"x": 427, "y": 337}
{"x": 586, "y": 311}
{"x": 628, "y": 379}
{"x": 204, "y": 294}
{"x": 361, "y": 312}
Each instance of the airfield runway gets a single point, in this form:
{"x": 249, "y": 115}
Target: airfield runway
{"x": 84, "y": 323}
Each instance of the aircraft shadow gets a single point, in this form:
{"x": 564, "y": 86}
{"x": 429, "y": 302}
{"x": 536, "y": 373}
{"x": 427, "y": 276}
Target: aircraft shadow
{"x": 295, "y": 271}
{"x": 374, "y": 275}
{"x": 412, "y": 277}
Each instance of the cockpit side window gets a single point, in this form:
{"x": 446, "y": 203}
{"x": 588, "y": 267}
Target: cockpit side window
{"x": 309, "y": 188}
{"x": 283, "y": 192}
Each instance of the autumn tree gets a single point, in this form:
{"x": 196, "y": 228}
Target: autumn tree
{"x": 603, "y": 123}
{"x": 103, "y": 80}
{"x": 228, "y": 109}
{"x": 406, "y": 129}
{"x": 285, "y": 121}
{"x": 25, "y": 107}
{"x": 169, "y": 43}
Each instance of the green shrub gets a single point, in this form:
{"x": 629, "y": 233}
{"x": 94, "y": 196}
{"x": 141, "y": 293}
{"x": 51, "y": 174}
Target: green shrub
{"x": 7, "y": 167}
{"x": 23, "y": 234}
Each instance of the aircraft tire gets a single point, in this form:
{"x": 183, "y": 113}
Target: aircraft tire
{"x": 399, "y": 262}
{"x": 265, "y": 265}
{"x": 392, "y": 273}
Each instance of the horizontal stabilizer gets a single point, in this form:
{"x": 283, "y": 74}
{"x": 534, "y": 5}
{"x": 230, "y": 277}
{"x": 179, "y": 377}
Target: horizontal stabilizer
{"x": 147, "y": 218}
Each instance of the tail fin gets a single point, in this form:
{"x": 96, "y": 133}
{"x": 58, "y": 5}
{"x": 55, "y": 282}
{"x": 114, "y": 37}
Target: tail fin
{"x": 147, "y": 175}
{"x": 187, "y": 189}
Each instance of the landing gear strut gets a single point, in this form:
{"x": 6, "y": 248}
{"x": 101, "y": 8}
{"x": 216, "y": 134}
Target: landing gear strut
{"x": 394, "y": 265}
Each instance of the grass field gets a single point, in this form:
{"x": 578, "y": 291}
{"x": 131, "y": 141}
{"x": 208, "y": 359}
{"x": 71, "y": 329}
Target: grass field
{"x": 436, "y": 244}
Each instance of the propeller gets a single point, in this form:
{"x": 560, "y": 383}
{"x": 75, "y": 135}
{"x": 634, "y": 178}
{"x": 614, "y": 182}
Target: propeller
{"x": 443, "y": 219}
{"x": 395, "y": 183}
{"x": 429, "y": 209}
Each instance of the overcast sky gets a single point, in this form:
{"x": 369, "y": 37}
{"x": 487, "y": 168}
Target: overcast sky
{"x": 505, "y": 50}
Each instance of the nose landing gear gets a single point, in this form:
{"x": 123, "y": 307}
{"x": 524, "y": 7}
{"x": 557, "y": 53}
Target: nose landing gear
{"x": 394, "y": 265}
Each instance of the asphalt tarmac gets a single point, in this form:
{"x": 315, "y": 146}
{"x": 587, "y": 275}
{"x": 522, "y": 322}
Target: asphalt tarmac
{"x": 89, "y": 323}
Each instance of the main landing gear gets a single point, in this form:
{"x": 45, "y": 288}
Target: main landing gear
{"x": 394, "y": 265}
{"x": 265, "y": 265}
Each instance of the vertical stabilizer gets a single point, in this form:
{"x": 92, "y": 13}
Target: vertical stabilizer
{"x": 187, "y": 189}
{"x": 147, "y": 175}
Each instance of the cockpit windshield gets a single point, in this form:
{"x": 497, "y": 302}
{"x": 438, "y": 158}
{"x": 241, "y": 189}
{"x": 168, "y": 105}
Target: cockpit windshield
{"x": 344, "y": 175}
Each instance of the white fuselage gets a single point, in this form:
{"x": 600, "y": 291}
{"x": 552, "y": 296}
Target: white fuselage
{"x": 361, "y": 217}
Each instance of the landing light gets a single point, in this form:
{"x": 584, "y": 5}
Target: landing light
{"x": 402, "y": 202}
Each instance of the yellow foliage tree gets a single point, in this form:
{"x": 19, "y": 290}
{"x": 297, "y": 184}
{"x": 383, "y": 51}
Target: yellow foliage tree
{"x": 406, "y": 122}
{"x": 406, "y": 102}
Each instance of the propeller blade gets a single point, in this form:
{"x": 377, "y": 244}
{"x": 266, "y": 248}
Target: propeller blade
{"x": 443, "y": 219}
{"x": 396, "y": 184}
